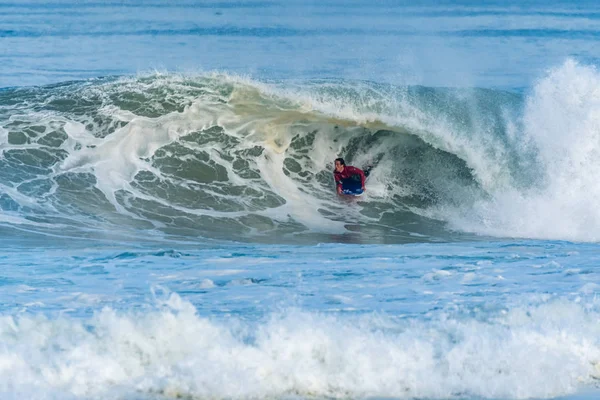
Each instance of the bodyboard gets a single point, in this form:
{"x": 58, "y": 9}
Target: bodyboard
{"x": 352, "y": 186}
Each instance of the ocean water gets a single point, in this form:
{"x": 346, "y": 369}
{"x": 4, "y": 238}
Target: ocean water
{"x": 170, "y": 228}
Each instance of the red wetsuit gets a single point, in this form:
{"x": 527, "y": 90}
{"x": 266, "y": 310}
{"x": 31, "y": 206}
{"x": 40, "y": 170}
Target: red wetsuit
{"x": 348, "y": 172}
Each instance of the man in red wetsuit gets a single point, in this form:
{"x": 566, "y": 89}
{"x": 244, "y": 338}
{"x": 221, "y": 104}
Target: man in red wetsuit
{"x": 346, "y": 174}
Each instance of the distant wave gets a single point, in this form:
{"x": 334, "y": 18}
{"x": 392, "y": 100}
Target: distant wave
{"x": 269, "y": 32}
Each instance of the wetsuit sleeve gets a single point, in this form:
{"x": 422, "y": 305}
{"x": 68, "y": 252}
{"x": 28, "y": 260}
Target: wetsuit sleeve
{"x": 357, "y": 171}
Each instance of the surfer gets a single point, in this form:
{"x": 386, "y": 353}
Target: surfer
{"x": 347, "y": 177}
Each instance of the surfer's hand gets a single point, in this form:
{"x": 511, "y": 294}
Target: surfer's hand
{"x": 363, "y": 189}
{"x": 339, "y": 190}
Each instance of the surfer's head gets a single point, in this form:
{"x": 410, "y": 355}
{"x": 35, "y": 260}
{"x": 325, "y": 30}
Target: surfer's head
{"x": 339, "y": 164}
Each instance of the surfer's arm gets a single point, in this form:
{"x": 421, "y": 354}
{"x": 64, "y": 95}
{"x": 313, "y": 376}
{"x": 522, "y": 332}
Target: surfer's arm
{"x": 338, "y": 182}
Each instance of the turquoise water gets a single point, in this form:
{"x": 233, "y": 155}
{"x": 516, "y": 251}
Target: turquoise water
{"x": 168, "y": 216}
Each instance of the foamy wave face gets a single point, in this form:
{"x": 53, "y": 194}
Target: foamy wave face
{"x": 542, "y": 351}
{"x": 171, "y": 154}
{"x": 221, "y": 157}
{"x": 561, "y": 129}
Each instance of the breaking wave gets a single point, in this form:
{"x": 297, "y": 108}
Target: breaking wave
{"x": 226, "y": 157}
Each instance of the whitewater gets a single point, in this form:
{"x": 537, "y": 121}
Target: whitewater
{"x": 169, "y": 220}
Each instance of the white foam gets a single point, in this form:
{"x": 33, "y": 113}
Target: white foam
{"x": 300, "y": 205}
{"x": 540, "y": 352}
{"x": 3, "y": 139}
{"x": 15, "y": 219}
{"x": 206, "y": 284}
{"x": 19, "y": 197}
{"x": 561, "y": 121}
{"x": 117, "y": 158}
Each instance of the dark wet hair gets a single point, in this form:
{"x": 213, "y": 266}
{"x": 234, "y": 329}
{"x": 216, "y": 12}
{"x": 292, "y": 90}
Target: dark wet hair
{"x": 341, "y": 160}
